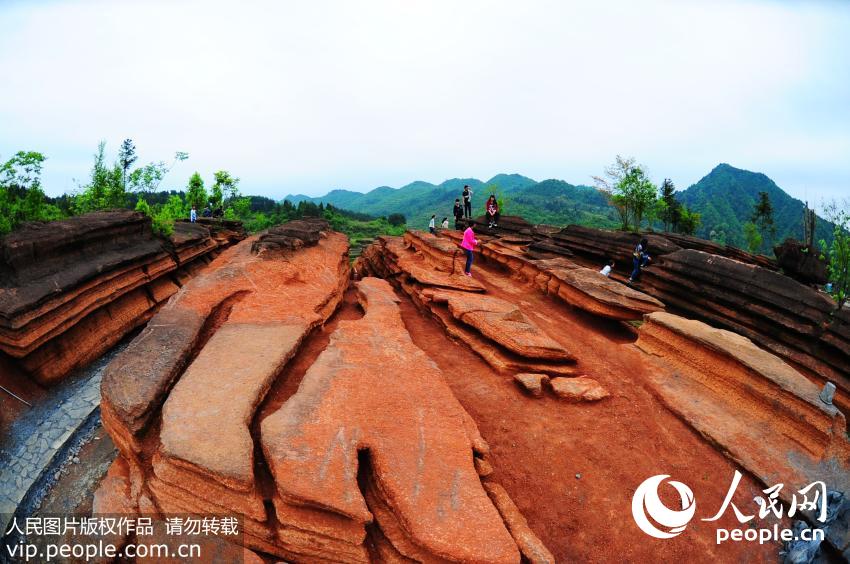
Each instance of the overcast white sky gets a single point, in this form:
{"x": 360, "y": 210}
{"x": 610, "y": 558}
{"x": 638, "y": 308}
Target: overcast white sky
{"x": 313, "y": 95}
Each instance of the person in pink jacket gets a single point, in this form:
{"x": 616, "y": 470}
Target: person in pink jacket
{"x": 468, "y": 244}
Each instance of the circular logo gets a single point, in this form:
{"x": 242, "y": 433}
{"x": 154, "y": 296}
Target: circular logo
{"x": 646, "y": 504}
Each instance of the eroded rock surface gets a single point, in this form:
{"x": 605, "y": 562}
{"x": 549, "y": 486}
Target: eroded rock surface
{"x": 426, "y": 495}
{"x": 762, "y": 411}
{"x": 71, "y": 289}
{"x": 349, "y": 472}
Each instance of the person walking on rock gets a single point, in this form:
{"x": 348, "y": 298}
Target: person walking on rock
{"x": 458, "y": 213}
{"x": 467, "y": 201}
{"x": 468, "y": 244}
{"x": 492, "y": 209}
{"x": 432, "y": 225}
{"x": 640, "y": 257}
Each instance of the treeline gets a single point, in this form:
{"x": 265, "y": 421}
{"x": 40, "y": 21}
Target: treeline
{"x": 121, "y": 185}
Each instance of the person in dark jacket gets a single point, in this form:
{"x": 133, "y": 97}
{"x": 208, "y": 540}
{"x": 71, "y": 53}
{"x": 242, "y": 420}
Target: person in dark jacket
{"x": 458, "y": 213}
{"x": 467, "y": 201}
{"x": 640, "y": 257}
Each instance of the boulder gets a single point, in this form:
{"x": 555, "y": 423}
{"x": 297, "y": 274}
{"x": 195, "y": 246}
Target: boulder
{"x": 532, "y": 383}
{"x": 577, "y": 389}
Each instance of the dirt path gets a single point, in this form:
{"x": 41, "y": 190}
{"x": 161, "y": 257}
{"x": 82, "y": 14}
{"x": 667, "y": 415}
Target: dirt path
{"x": 572, "y": 468}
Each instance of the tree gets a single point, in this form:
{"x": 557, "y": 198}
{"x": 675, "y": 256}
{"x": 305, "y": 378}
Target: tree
{"x": 753, "y": 237}
{"x": 148, "y": 178}
{"x": 628, "y": 190}
{"x": 396, "y": 219}
{"x": 670, "y": 211}
{"x": 196, "y": 195}
{"x": 105, "y": 190}
{"x": 838, "y": 252}
{"x": 687, "y": 221}
{"x": 21, "y": 196}
{"x": 224, "y": 189}
{"x": 614, "y": 175}
{"x": 762, "y": 216}
{"x": 126, "y": 158}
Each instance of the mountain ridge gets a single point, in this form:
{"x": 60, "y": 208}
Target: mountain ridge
{"x": 724, "y": 197}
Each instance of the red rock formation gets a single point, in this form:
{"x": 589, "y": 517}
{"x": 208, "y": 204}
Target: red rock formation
{"x": 71, "y": 289}
{"x": 423, "y": 490}
{"x": 181, "y": 404}
{"x": 578, "y": 286}
{"x": 765, "y": 414}
{"x": 426, "y": 268}
{"x": 776, "y": 312}
{"x": 801, "y": 263}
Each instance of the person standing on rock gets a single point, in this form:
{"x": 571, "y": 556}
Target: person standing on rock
{"x": 458, "y": 213}
{"x": 468, "y": 244}
{"x": 640, "y": 257}
{"x": 193, "y": 215}
{"x": 492, "y": 209}
{"x": 445, "y": 223}
{"x": 467, "y": 201}
{"x": 432, "y": 225}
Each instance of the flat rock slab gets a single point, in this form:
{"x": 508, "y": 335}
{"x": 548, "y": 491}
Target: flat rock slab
{"x": 532, "y": 383}
{"x": 504, "y": 323}
{"x": 419, "y": 439}
{"x": 577, "y": 389}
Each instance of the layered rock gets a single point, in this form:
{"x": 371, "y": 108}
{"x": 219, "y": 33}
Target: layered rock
{"x": 336, "y": 473}
{"x": 428, "y": 269}
{"x": 763, "y": 413}
{"x": 576, "y": 285}
{"x": 422, "y": 490}
{"x": 71, "y": 289}
{"x": 600, "y": 245}
{"x": 787, "y": 318}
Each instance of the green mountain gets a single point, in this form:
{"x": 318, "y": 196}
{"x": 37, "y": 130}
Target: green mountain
{"x": 550, "y": 201}
{"x": 725, "y": 197}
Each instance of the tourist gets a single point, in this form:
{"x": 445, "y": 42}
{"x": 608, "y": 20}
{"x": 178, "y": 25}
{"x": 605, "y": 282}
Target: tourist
{"x": 458, "y": 213}
{"x": 445, "y": 223}
{"x": 193, "y": 215}
{"x": 492, "y": 209}
{"x": 432, "y": 224}
{"x": 468, "y": 244}
{"x": 467, "y": 201}
{"x": 606, "y": 270}
{"x": 207, "y": 211}
{"x": 640, "y": 257}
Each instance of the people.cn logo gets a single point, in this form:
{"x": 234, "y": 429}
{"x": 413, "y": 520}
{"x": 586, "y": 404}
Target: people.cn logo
{"x": 652, "y": 516}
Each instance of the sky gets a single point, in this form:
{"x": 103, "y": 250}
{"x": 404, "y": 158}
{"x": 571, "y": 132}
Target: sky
{"x": 309, "y": 96}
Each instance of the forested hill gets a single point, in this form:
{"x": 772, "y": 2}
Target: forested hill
{"x": 725, "y": 198}
{"x": 550, "y": 201}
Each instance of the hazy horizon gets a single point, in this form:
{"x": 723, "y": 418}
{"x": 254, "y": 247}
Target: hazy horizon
{"x": 310, "y": 97}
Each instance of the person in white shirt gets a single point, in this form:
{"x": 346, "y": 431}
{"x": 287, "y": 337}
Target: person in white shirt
{"x": 606, "y": 270}
{"x": 432, "y": 225}
{"x": 193, "y": 215}
{"x": 445, "y": 224}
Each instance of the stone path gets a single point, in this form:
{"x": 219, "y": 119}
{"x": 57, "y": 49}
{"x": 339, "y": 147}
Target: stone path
{"x": 29, "y": 452}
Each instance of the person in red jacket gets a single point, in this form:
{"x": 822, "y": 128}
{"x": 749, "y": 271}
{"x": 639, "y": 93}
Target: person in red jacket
{"x": 468, "y": 245}
{"x": 492, "y": 211}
